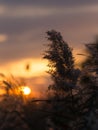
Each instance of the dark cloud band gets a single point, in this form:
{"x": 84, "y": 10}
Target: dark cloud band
{"x": 47, "y": 2}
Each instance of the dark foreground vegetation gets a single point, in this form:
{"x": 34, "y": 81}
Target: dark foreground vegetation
{"x": 73, "y": 104}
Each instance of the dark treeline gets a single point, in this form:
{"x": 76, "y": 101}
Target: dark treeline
{"x": 73, "y": 104}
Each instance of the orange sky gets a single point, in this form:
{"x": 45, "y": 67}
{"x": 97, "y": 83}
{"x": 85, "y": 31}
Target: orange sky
{"x": 37, "y": 67}
{"x": 22, "y": 32}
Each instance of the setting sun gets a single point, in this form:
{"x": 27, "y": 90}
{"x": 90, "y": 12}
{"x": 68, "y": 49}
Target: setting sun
{"x": 26, "y": 90}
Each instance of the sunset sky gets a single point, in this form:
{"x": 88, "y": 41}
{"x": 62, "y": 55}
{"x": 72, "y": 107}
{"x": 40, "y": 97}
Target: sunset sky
{"x": 23, "y": 26}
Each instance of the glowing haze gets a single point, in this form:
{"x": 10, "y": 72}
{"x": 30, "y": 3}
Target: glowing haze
{"x": 37, "y": 67}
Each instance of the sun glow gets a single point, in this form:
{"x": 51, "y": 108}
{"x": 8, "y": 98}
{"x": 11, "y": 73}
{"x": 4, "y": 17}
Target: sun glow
{"x": 26, "y": 68}
{"x": 26, "y": 90}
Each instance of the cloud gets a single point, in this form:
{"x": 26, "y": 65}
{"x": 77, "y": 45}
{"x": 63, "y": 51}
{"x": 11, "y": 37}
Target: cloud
{"x": 26, "y": 37}
{"x": 24, "y": 11}
{"x": 3, "y": 38}
{"x": 47, "y": 3}
{"x": 38, "y": 11}
{"x": 25, "y": 24}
